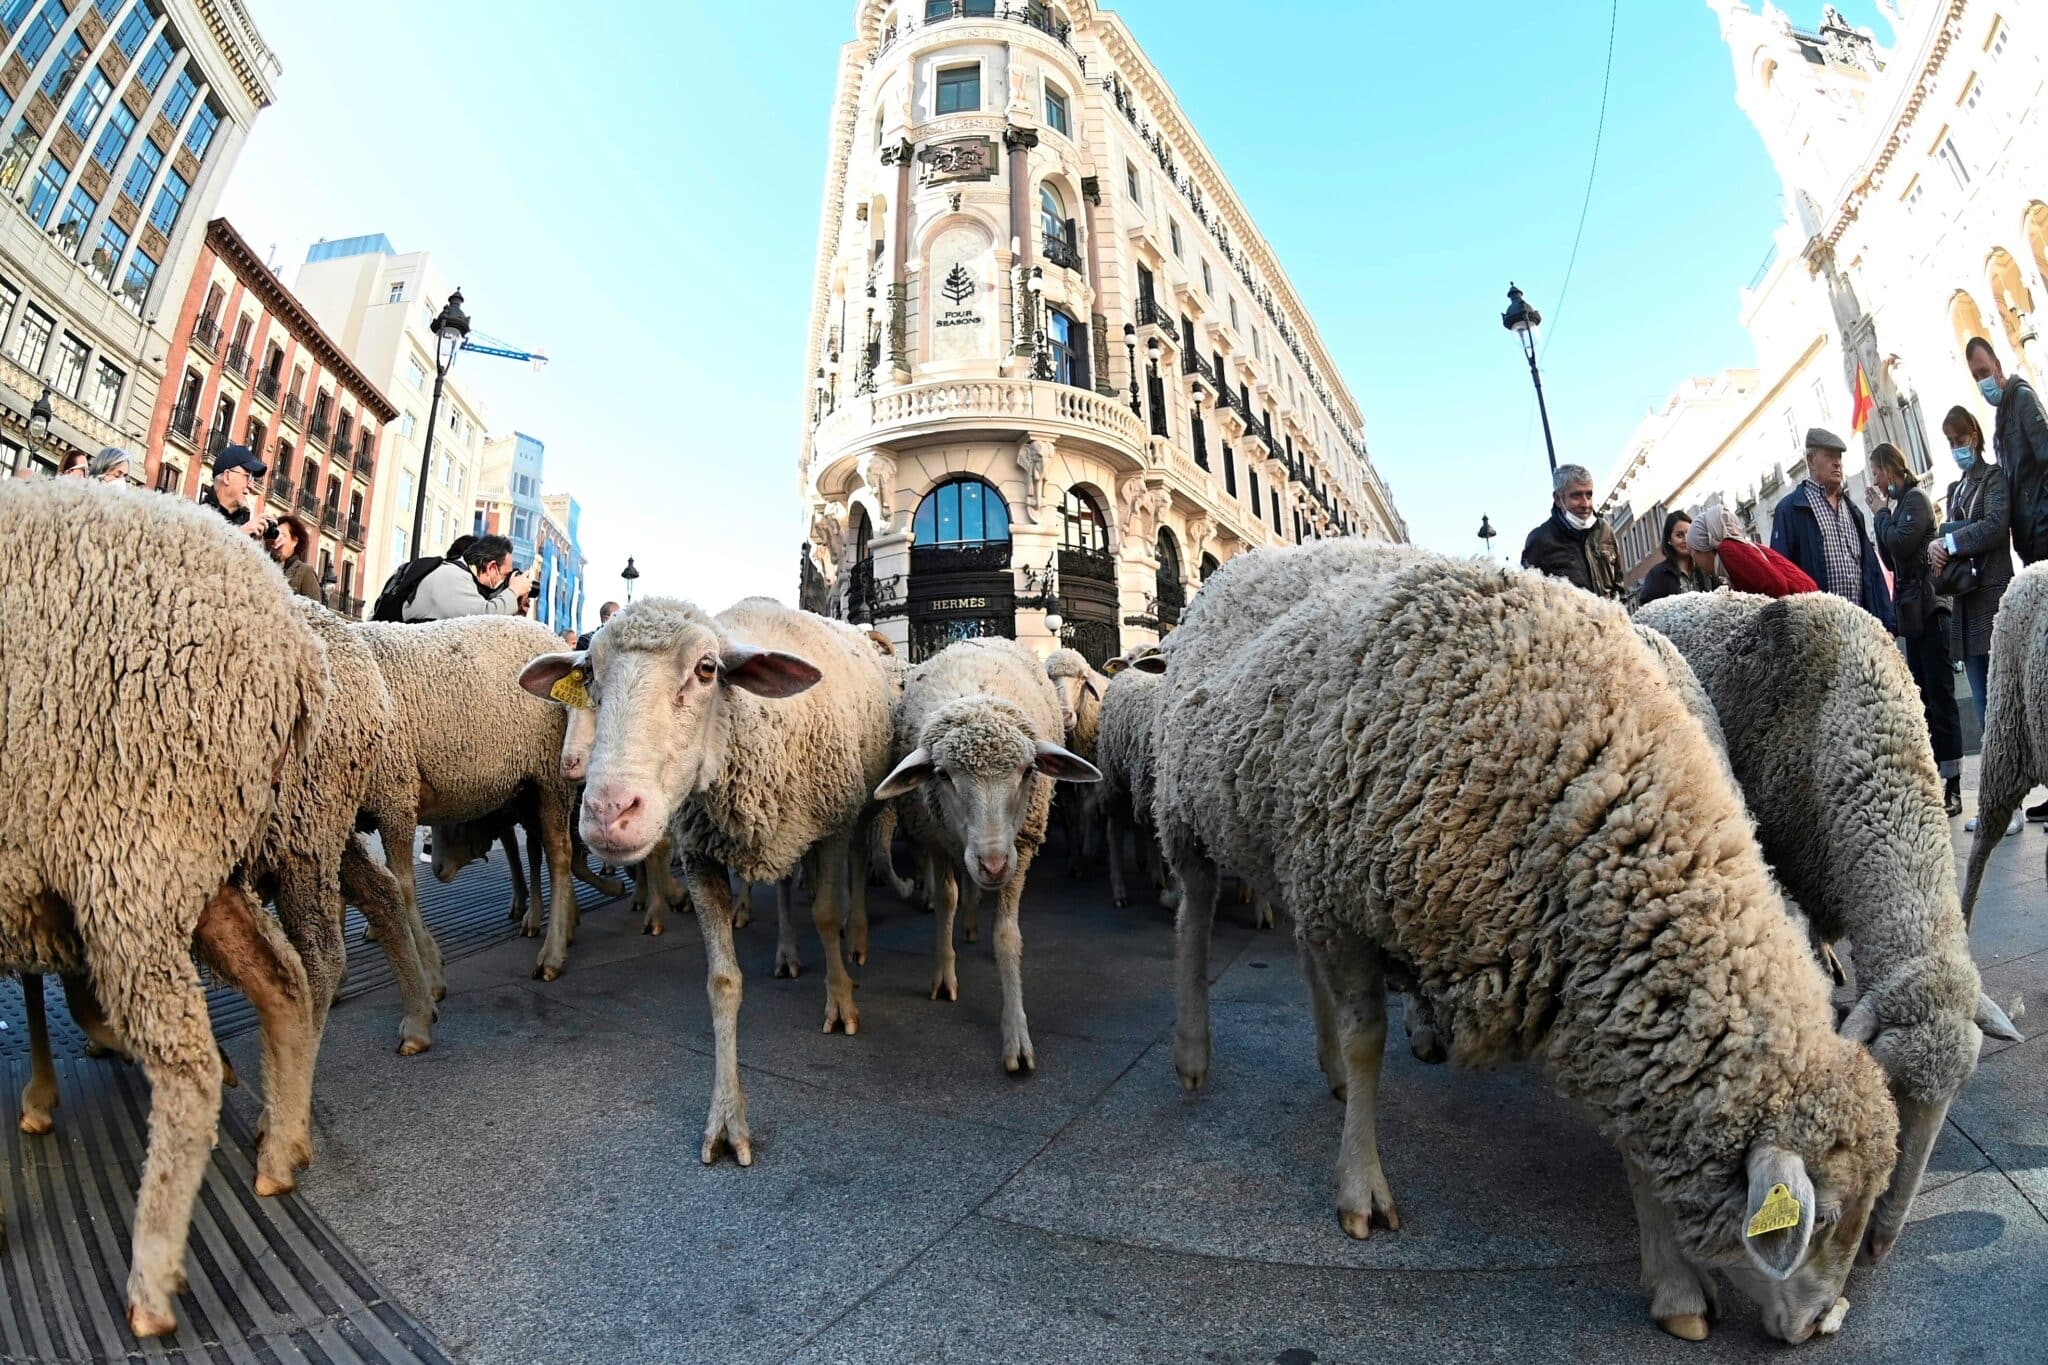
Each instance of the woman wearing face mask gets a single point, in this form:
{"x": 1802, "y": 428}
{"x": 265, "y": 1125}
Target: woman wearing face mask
{"x": 1902, "y": 522}
{"x": 1977, "y": 536}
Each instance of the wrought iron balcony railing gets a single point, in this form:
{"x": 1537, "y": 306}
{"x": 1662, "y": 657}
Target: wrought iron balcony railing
{"x": 1060, "y": 251}
{"x": 238, "y": 360}
{"x": 206, "y": 335}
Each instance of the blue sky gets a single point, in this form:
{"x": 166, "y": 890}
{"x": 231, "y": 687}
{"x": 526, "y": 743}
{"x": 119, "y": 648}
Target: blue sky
{"x": 635, "y": 189}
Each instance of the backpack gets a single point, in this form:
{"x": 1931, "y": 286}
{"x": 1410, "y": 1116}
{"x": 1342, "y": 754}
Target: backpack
{"x": 402, "y": 587}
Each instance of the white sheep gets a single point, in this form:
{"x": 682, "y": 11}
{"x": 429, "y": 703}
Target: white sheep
{"x": 1130, "y": 704}
{"x": 979, "y": 728}
{"x": 1080, "y": 688}
{"x": 1828, "y": 738}
{"x": 2015, "y": 759}
{"x": 756, "y": 735}
{"x": 1482, "y": 783}
{"x": 158, "y": 685}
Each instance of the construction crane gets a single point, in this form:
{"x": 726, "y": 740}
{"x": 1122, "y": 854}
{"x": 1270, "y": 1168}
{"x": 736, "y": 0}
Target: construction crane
{"x": 483, "y": 344}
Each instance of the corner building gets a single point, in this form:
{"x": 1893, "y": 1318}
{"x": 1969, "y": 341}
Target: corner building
{"x": 1053, "y": 366}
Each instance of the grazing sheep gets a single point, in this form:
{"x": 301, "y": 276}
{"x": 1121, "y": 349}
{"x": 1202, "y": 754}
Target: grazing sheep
{"x": 159, "y": 685}
{"x": 979, "y": 726}
{"x": 1480, "y": 782}
{"x": 755, "y": 736}
{"x": 1829, "y": 741}
{"x": 466, "y": 741}
{"x": 2015, "y": 719}
{"x": 1080, "y": 690}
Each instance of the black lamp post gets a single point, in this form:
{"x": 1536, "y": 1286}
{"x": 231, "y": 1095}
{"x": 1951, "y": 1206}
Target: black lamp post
{"x": 39, "y": 414}
{"x": 450, "y": 328}
{"x": 632, "y": 577}
{"x": 1486, "y": 534}
{"x": 1523, "y": 321}
{"x": 1041, "y": 360}
{"x": 1131, "y": 349}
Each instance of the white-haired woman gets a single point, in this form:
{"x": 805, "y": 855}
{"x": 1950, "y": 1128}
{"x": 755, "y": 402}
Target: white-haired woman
{"x": 1747, "y": 567}
{"x": 111, "y": 465}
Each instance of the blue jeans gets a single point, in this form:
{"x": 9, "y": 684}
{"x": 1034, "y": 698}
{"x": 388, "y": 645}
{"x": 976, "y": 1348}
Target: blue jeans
{"x": 1978, "y": 666}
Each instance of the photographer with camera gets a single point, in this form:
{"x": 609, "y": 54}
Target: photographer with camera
{"x": 482, "y": 583}
{"x": 235, "y": 471}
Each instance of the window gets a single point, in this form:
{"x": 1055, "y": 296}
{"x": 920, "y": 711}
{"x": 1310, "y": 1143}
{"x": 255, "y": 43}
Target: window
{"x": 86, "y": 105}
{"x": 156, "y": 62}
{"x": 1233, "y": 311}
{"x": 1953, "y": 159}
{"x": 405, "y": 424}
{"x": 1067, "y": 340}
{"x": 1973, "y": 94}
{"x": 70, "y": 373}
{"x": 1913, "y": 194}
{"x": 415, "y": 373}
{"x": 400, "y": 553}
{"x": 107, "y": 253}
{"x": 943, "y": 9}
{"x": 396, "y": 294}
{"x": 142, "y": 171}
{"x": 959, "y": 89}
{"x": 183, "y": 92}
{"x": 141, "y": 271}
{"x": 1208, "y": 281}
{"x": 42, "y": 198}
{"x": 9, "y": 296}
{"x": 1084, "y": 526}
{"x": 1056, "y": 112}
{"x": 77, "y": 213}
{"x": 41, "y": 32}
{"x": 1052, "y": 217}
{"x": 13, "y": 12}
{"x": 200, "y": 136}
{"x": 65, "y": 69}
{"x": 1173, "y": 234}
{"x": 1998, "y": 36}
{"x": 1131, "y": 183}
{"x": 107, "y": 8}
{"x": 1820, "y": 399}
{"x": 114, "y": 138}
{"x": 961, "y": 511}
{"x": 133, "y": 30}
{"x": 169, "y": 200}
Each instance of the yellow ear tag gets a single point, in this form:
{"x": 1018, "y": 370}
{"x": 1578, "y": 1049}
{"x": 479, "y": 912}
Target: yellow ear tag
{"x": 571, "y": 692}
{"x": 1779, "y": 1210}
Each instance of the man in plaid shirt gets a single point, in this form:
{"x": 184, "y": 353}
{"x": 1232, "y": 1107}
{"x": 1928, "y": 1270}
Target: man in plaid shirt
{"x": 1823, "y": 532}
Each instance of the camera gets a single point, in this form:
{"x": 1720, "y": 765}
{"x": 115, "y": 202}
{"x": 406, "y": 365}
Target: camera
{"x": 269, "y": 532}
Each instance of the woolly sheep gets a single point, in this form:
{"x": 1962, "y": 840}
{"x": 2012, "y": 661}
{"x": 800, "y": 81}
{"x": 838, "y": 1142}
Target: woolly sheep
{"x": 1829, "y": 740}
{"x": 466, "y": 740}
{"x": 1482, "y": 781}
{"x": 158, "y": 684}
{"x": 755, "y": 737}
{"x": 2015, "y": 719}
{"x": 1124, "y": 751}
{"x": 1080, "y": 688}
{"x": 978, "y": 726}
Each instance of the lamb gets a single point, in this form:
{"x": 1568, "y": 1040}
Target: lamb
{"x": 1080, "y": 690}
{"x": 123, "y": 837}
{"x": 1482, "y": 782}
{"x": 754, "y": 737}
{"x": 467, "y": 740}
{"x": 978, "y": 726}
{"x": 2015, "y": 723}
{"x": 1827, "y": 736}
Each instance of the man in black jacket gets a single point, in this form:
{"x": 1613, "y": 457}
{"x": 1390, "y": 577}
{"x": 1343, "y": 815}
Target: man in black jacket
{"x": 2020, "y": 441}
{"x": 1575, "y": 544}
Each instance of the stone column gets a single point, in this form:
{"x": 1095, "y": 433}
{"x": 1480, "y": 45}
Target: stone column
{"x": 890, "y": 552}
{"x": 899, "y": 284}
{"x": 1091, "y": 195}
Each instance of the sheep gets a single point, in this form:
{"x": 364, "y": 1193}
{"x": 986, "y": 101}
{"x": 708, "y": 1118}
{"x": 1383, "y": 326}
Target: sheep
{"x": 466, "y": 741}
{"x": 1828, "y": 738}
{"x": 2015, "y": 725}
{"x": 753, "y": 737}
{"x": 1481, "y": 781}
{"x": 158, "y": 686}
{"x": 1124, "y": 750}
{"x": 978, "y": 726}
{"x": 1080, "y": 690}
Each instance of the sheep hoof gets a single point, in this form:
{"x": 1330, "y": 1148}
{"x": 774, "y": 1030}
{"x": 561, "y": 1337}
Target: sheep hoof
{"x": 653, "y": 926}
{"x": 268, "y": 1187}
{"x": 1876, "y": 1248}
{"x": 1685, "y": 1326}
{"x": 1019, "y": 1061}
{"x": 790, "y": 966}
{"x": 412, "y": 1047}
{"x": 546, "y": 971}
{"x": 842, "y": 1014}
{"x": 970, "y": 935}
{"x": 37, "y": 1124}
{"x": 1427, "y": 1047}
{"x": 742, "y": 1148}
{"x": 146, "y": 1322}
{"x": 945, "y": 987}
{"x": 1120, "y": 902}
{"x": 1357, "y": 1226}
{"x": 528, "y": 929}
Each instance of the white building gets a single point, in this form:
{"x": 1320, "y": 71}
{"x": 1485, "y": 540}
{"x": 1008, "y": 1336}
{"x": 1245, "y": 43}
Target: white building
{"x": 119, "y": 121}
{"x": 380, "y": 307}
{"x": 1916, "y": 216}
{"x": 1048, "y": 346}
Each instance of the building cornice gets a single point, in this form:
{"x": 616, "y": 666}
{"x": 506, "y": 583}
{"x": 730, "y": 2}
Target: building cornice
{"x": 234, "y": 32}
{"x": 845, "y": 120}
{"x": 1763, "y": 400}
{"x": 228, "y": 245}
{"x": 1944, "y": 37}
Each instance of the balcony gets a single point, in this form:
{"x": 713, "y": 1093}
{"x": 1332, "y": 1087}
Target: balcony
{"x": 216, "y": 441}
{"x": 330, "y": 517}
{"x": 239, "y": 361}
{"x": 344, "y": 435}
{"x": 366, "y": 463}
{"x": 309, "y": 497}
{"x": 354, "y": 531}
{"x": 320, "y": 427}
{"x": 1027, "y": 12}
{"x": 206, "y": 335}
{"x": 185, "y": 423}
{"x": 294, "y": 410}
{"x": 282, "y": 488}
{"x": 967, "y": 404}
{"x": 1059, "y": 250}
{"x": 1192, "y": 363}
{"x": 1150, "y": 314}
{"x": 266, "y": 389}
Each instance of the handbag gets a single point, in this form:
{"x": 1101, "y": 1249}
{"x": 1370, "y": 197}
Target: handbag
{"x": 1962, "y": 574}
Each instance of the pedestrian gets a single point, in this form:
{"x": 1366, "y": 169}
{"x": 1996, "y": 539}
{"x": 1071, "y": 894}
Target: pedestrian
{"x": 1677, "y": 571}
{"x": 1715, "y": 539}
{"x": 2019, "y": 438}
{"x": 75, "y": 465}
{"x": 481, "y": 583}
{"x": 569, "y": 639}
{"x": 1902, "y": 520}
{"x": 1823, "y": 532}
{"x": 1574, "y": 543}
{"x": 288, "y": 547}
{"x": 604, "y": 614}
{"x": 235, "y": 471}
{"x": 111, "y": 465}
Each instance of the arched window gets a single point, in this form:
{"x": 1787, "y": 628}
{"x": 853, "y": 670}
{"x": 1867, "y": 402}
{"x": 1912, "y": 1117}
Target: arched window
{"x": 963, "y": 511}
{"x": 1209, "y": 566}
{"x": 1172, "y": 592}
{"x": 2010, "y": 298}
{"x": 1083, "y": 526}
{"x": 863, "y": 531}
{"x": 1967, "y": 320}
{"x": 1052, "y": 213}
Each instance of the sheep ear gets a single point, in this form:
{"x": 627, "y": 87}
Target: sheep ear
{"x": 1112, "y": 667}
{"x": 1151, "y": 663}
{"x": 1995, "y": 1022}
{"x": 1860, "y": 1025}
{"x": 913, "y": 772}
{"x": 1058, "y": 763}
{"x": 1777, "y": 1223}
{"x": 1088, "y": 686}
{"x": 540, "y": 676}
{"x": 767, "y": 672}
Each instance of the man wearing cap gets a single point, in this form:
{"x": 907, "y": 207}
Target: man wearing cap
{"x": 1822, "y": 532}
{"x": 235, "y": 471}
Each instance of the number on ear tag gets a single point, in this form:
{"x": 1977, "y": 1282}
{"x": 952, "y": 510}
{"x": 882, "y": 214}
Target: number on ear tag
{"x": 1779, "y": 1210}
{"x": 570, "y": 691}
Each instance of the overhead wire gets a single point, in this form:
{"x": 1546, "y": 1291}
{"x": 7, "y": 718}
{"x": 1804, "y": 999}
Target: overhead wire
{"x": 1592, "y": 173}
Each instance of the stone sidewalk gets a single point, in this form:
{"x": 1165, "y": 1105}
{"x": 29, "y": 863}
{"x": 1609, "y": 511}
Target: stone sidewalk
{"x": 530, "y": 1189}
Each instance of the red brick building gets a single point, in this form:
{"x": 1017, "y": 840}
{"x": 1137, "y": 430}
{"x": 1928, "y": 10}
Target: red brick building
{"x": 249, "y": 364}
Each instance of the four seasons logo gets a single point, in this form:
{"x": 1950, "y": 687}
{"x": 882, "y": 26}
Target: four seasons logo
{"x": 959, "y": 286}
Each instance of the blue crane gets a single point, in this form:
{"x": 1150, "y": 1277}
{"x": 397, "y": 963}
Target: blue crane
{"x": 483, "y": 344}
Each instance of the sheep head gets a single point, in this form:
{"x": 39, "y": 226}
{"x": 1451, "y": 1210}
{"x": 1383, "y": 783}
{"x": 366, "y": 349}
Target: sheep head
{"x": 458, "y": 845}
{"x": 663, "y": 686}
{"x": 1077, "y": 685}
{"x": 978, "y": 767}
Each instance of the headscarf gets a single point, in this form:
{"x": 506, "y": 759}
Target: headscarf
{"x": 1712, "y": 526}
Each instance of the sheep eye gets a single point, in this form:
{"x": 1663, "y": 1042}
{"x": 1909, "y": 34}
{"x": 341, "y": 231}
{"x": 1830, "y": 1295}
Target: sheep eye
{"x": 943, "y": 776}
{"x": 707, "y": 669}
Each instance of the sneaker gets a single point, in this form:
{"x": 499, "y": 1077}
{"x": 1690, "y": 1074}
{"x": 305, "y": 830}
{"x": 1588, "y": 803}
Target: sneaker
{"x": 2038, "y": 814}
{"x": 1952, "y": 796}
{"x": 2012, "y": 826}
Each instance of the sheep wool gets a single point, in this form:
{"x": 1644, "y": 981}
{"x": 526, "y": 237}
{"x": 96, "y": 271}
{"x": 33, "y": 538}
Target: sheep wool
{"x": 2015, "y": 718}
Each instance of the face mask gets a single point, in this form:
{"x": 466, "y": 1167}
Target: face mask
{"x": 1991, "y": 389}
{"x": 1964, "y": 456}
{"x": 1579, "y": 523}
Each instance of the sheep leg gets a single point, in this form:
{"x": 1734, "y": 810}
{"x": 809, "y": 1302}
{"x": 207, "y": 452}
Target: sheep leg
{"x": 397, "y": 837}
{"x": 1017, "y": 1054}
{"x": 525, "y": 904}
{"x": 1113, "y": 847}
{"x": 905, "y": 888}
{"x": 828, "y": 862}
{"x": 579, "y": 867}
{"x": 1329, "y": 1056}
{"x": 970, "y": 905}
{"x": 727, "y": 1122}
{"x": 310, "y": 910}
{"x": 100, "y": 1038}
{"x": 556, "y": 815}
{"x": 246, "y": 948}
{"x": 743, "y": 902}
{"x": 367, "y": 885}
{"x": 788, "y": 961}
{"x": 1357, "y": 981}
{"x": 1074, "y": 821}
{"x": 1682, "y": 1295}
{"x": 1919, "y": 1125}
{"x": 1262, "y": 911}
{"x": 1192, "y": 927}
{"x": 39, "y": 1096}
{"x": 536, "y": 841}
{"x": 945, "y": 894}
{"x": 859, "y": 853}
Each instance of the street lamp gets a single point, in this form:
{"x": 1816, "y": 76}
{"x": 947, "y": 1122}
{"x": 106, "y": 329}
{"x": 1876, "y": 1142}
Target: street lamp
{"x": 632, "y": 576}
{"x": 1486, "y": 534}
{"x": 1523, "y": 321}
{"x": 1131, "y": 349}
{"x": 1041, "y": 362}
{"x": 39, "y": 415}
{"x": 450, "y": 329}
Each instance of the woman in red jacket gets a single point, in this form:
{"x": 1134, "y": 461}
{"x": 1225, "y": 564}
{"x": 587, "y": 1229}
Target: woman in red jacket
{"x": 1748, "y": 568}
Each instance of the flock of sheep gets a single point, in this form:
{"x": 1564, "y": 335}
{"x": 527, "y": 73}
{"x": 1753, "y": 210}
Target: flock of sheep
{"x": 1626, "y": 849}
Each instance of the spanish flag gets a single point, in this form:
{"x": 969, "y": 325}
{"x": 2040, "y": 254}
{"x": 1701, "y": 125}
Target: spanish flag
{"x": 1866, "y": 402}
